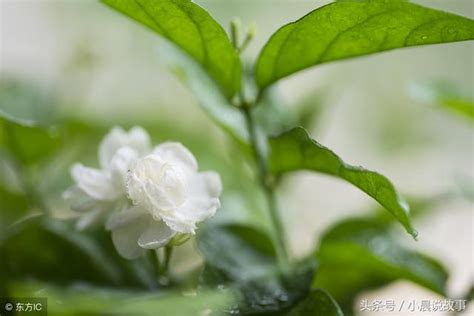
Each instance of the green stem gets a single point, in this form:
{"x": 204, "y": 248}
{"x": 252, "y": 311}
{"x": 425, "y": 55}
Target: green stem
{"x": 268, "y": 188}
{"x": 166, "y": 264}
{"x": 154, "y": 260}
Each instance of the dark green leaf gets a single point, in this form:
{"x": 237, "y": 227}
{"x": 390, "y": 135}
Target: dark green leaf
{"x": 317, "y": 303}
{"x": 236, "y": 257}
{"x": 295, "y": 150}
{"x": 346, "y": 29}
{"x": 192, "y": 29}
{"x": 361, "y": 255}
{"x": 60, "y": 255}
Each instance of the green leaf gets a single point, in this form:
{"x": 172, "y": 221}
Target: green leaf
{"x": 207, "y": 93}
{"x": 448, "y": 96}
{"x": 102, "y": 301}
{"x": 317, "y": 303}
{"x": 361, "y": 255}
{"x": 236, "y": 257}
{"x": 347, "y": 29}
{"x": 29, "y": 144}
{"x": 25, "y": 103}
{"x": 192, "y": 29}
{"x": 60, "y": 255}
{"x": 295, "y": 150}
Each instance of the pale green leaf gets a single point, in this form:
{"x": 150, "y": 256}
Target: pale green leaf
{"x": 351, "y": 28}
{"x": 295, "y": 150}
{"x": 207, "y": 93}
{"x": 26, "y": 104}
{"x": 447, "y": 95}
{"x": 191, "y": 28}
{"x": 87, "y": 300}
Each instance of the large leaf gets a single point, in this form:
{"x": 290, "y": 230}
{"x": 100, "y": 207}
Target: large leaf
{"x": 317, "y": 303}
{"x": 295, "y": 150}
{"x": 241, "y": 257}
{"x": 29, "y": 144}
{"x": 361, "y": 255}
{"x": 346, "y": 29}
{"x": 103, "y": 301}
{"x": 59, "y": 255}
{"x": 193, "y": 30}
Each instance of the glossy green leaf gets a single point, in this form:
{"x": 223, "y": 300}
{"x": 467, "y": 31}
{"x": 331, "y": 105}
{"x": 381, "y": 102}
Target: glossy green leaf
{"x": 295, "y": 150}
{"x": 236, "y": 258}
{"x": 360, "y": 254}
{"x": 351, "y": 28}
{"x": 192, "y": 29}
{"x": 317, "y": 303}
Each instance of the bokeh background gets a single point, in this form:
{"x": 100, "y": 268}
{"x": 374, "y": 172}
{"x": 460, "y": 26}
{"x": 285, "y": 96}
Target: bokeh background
{"x": 104, "y": 69}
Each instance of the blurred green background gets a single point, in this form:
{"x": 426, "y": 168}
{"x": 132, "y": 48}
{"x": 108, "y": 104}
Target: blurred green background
{"x": 88, "y": 69}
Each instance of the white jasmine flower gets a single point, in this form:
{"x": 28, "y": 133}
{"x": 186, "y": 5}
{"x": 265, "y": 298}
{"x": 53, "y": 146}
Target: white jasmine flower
{"x": 98, "y": 191}
{"x": 170, "y": 197}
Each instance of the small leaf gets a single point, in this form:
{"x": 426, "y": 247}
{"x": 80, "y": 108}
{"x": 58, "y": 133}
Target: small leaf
{"x": 446, "y": 95}
{"x": 317, "y": 303}
{"x": 347, "y": 29}
{"x": 191, "y": 28}
{"x": 295, "y": 150}
{"x": 361, "y": 255}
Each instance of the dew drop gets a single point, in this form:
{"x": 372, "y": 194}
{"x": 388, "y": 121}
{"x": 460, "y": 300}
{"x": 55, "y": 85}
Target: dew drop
{"x": 424, "y": 37}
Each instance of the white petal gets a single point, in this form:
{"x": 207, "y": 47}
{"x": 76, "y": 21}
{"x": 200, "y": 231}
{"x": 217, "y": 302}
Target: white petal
{"x": 125, "y": 217}
{"x": 202, "y": 203}
{"x": 212, "y": 183}
{"x": 120, "y": 164}
{"x": 125, "y": 237}
{"x": 79, "y": 200}
{"x": 176, "y": 153}
{"x": 137, "y": 139}
{"x": 91, "y": 218}
{"x": 110, "y": 144}
{"x": 95, "y": 183}
{"x": 156, "y": 235}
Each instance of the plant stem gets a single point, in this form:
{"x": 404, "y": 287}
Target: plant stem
{"x": 166, "y": 264}
{"x": 154, "y": 260}
{"x": 268, "y": 188}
